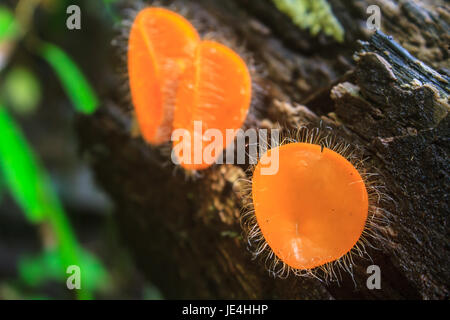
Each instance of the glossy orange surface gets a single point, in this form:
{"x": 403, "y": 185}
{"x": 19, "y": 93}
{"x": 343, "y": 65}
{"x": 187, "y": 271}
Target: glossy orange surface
{"x": 216, "y": 90}
{"x": 314, "y": 209}
{"x": 161, "y": 44}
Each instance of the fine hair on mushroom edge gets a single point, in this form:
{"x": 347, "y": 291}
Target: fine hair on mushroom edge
{"x": 209, "y": 32}
{"x": 373, "y": 235}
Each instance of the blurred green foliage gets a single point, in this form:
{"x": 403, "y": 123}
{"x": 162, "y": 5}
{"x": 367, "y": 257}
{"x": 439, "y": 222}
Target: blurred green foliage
{"x": 21, "y": 90}
{"x": 10, "y": 292}
{"x": 22, "y": 174}
{"x": 50, "y": 265}
{"x": 2, "y": 185}
{"x": 8, "y": 26}
{"x": 315, "y": 15}
{"x": 31, "y": 188}
{"x": 72, "y": 79}
{"x": 108, "y": 5}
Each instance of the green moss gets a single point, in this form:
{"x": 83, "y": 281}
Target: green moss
{"x": 315, "y": 15}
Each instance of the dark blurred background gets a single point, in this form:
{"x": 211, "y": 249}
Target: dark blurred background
{"x": 41, "y": 107}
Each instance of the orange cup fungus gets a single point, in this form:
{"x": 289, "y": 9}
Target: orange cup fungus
{"x": 314, "y": 209}
{"x": 161, "y": 44}
{"x": 176, "y": 79}
{"x": 216, "y": 90}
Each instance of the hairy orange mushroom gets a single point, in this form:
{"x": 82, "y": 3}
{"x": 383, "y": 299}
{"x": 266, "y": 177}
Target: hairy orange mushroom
{"x": 161, "y": 44}
{"x": 216, "y": 91}
{"x": 314, "y": 209}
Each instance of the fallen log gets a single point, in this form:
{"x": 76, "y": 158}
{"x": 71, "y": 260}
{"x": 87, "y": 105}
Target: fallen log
{"x": 185, "y": 234}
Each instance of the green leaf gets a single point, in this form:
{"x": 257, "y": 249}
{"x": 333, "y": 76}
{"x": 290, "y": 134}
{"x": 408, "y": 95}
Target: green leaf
{"x": 2, "y": 185}
{"x": 50, "y": 265}
{"x": 72, "y": 79}
{"x": 8, "y": 26}
{"x": 21, "y": 173}
{"x": 30, "y": 186}
{"x": 315, "y": 15}
{"x": 21, "y": 90}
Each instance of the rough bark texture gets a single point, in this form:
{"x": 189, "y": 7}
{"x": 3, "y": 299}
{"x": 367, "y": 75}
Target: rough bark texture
{"x": 185, "y": 234}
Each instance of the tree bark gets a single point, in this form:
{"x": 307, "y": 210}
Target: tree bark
{"x": 185, "y": 233}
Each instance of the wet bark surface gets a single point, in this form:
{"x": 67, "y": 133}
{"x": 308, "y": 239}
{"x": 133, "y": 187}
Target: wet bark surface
{"x": 185, "y": 233}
